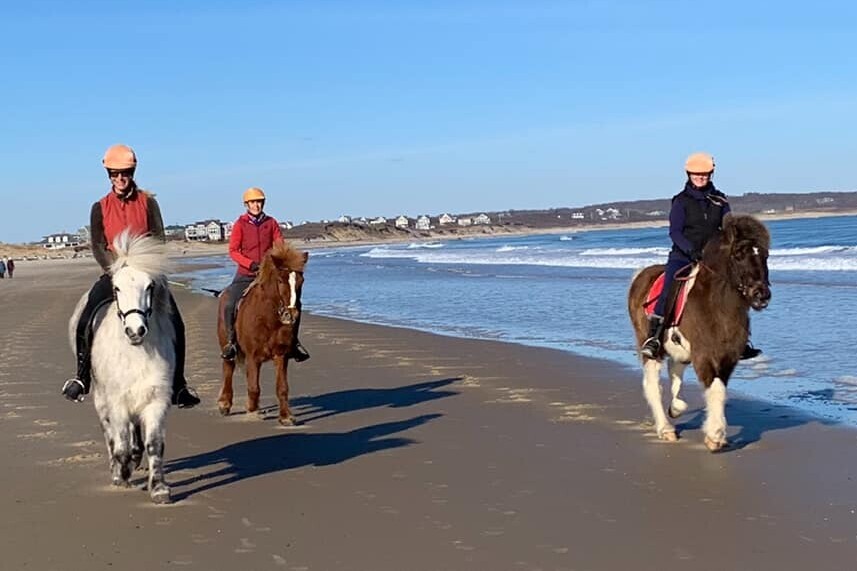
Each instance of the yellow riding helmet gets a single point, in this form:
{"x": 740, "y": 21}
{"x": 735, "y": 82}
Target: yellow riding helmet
{"x": 699, "y": 163}
{"x": 119, "y": 157}
{"x": 253, "y": 193}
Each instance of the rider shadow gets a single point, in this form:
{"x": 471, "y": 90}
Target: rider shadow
{"x": 252, "y": 458}
{"x": 755, "y": 419}
{"x": 310, "y": 408}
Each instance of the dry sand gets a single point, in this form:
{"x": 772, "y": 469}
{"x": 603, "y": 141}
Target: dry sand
{"x": 417, "y": 452}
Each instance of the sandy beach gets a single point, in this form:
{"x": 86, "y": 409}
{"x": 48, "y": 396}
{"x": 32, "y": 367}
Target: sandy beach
{"x": 415, "y": 452}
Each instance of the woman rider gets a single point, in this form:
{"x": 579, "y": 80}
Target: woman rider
{"x": 126, "y": 206}
{"x": 695, "y": 217}
{"x": 253, "y": 234}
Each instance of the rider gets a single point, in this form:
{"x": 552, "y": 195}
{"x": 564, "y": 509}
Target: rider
{"x": 125, "y": 206}
{"x": 696, "y": 216}
{"x": 253, "y": 234}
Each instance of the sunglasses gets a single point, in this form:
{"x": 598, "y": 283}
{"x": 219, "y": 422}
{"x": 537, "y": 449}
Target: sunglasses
{"x": 127, "y": 173}
{"x": 255, "y": 201}
{"x": 705, "y": 174}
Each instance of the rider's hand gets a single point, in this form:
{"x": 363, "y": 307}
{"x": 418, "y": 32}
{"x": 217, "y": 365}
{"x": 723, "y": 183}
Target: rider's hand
{"x": 254, "y": 267}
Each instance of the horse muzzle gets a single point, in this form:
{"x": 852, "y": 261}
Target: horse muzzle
{"x": 760, "y": 297}
{"x": 135, "y": 335}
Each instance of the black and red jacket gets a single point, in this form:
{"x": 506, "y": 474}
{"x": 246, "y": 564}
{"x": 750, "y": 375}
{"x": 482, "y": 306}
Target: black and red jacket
{"x": 136, "y": 210}
{"x": 250, "y": 242}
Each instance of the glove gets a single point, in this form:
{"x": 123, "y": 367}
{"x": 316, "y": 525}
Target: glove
{"x": 254, "y": 267}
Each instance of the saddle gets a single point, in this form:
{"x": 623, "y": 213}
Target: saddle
{"x": 676, "y": 300}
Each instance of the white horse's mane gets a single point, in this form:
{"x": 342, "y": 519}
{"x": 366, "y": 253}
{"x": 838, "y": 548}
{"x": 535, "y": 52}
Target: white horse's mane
{"x": 143, "y": 253}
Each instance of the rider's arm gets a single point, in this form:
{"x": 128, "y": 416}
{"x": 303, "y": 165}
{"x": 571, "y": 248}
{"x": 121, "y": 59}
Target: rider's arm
{"x": 98, "y": 242}
{"x": 153, "y": 218}
{"x": 235, "y": 247}
{"x": 278, "y": 234}
{"x": 677, "y": 219}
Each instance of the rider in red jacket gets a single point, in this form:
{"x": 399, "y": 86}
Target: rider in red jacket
{"x": 129, "y": 207}
{"x": 253, "y": 234}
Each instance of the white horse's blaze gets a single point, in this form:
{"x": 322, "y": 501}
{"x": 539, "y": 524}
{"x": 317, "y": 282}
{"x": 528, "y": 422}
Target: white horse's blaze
{"x": 714, "y": 426}
{"x": 293, "y": 297}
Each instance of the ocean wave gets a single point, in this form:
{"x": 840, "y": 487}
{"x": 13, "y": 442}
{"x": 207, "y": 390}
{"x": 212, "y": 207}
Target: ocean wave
{"x": 567, "y": 238}
{"x": 813, "y": 250}
{"x": 662, "y": 252}
{"x": 430, "y": 245}
{"x": 511, "y": 248}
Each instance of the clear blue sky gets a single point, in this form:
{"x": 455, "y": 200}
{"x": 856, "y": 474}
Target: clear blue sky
{"x": 382, "y": 108}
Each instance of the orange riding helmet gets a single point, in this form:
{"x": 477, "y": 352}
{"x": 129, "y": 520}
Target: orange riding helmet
{"x": 120, "y": 157}
{"x": 699, "y": 163}
{"x": 253, "y": 193}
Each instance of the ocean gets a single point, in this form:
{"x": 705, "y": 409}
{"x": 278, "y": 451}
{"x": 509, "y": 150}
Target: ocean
{"x": 568, "y": 291}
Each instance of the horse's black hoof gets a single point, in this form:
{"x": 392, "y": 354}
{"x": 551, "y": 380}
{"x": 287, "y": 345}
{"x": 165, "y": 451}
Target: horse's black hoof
{"x": 160, "y": 494}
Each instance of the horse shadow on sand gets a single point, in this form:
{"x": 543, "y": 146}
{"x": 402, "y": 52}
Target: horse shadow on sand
{"x": 311, "y": 408}
{"x": 756, "y": 418}
{"x": 289, "y": 450}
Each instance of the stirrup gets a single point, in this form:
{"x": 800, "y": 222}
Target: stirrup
{"x": 749, "y": 352}
{"x": 651, "y": 347}
{"x": 299, "y": 353}
{"x": 74, "y": 390}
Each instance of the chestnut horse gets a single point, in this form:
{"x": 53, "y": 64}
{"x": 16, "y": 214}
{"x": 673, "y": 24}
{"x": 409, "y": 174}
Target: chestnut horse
{"x": 731, "y": 278}
{"x": 266, "y": 327}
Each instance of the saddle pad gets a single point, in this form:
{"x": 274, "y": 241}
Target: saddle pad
{"x": 684, "y": 284}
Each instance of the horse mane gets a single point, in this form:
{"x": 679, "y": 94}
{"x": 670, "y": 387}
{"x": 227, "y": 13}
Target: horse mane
{"x": 141, "y": 252}
{"x": 746, "y": 227}
{"x": 281, "y": 256}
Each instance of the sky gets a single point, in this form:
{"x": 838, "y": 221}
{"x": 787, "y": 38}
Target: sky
{"x": 403, "y": 107}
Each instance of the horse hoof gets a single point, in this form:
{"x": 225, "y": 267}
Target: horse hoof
{"x": 669, "y": 436}
{"x": 288, "y": 421}
{"x": 160, "y": 494}
{"x": 120, "y": 483}
{"x": 224, "y": 410}
{"x": 714, "y": 445}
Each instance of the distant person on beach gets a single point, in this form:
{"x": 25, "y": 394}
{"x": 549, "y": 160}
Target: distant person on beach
{"x": 253, "y": 234}
{"x": 696, "y": 216}
{"x": 126, "y": 206}
{"x": 10, "y": 267}
{"x": 2, "y": 269}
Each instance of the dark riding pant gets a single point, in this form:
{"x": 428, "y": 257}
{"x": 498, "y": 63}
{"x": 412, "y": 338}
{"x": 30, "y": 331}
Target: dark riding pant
{"x": 673, "y": 267}
{"x": 233, "y": 294}
{"x": 101, "y": 294}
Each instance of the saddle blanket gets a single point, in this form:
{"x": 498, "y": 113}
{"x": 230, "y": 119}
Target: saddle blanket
{"x": 684, "y": 284}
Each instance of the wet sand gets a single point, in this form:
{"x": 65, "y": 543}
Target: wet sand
{"x": 416, "y": 452}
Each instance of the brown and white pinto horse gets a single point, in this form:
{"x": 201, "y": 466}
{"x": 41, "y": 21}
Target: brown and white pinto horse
{"x": 732, "y": 278}
{"x": 266, "y": 327}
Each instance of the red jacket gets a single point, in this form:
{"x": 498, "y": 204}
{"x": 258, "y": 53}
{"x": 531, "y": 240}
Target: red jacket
{"x": 249, "y": 242}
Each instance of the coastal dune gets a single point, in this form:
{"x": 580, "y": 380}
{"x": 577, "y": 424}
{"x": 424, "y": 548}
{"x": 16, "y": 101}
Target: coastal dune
{"x": 415, "y": 451}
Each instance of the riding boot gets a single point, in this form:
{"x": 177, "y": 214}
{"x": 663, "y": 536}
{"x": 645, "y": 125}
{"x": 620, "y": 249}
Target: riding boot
{"x": 183, "y": 396}
{"x": 652, "y": 345}
{"x": 299, "y": 352}
{"x": 76, "y": 387}
{"x": 750, "y": 352}
{"x": 230, "y": 350}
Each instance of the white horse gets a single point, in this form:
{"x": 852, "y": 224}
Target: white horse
{"x": 133, "y": 359}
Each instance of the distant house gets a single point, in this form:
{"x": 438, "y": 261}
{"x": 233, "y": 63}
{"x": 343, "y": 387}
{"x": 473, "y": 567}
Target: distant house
{"x": 344, "y": 219}
{"x": 208, "y": 230}
{"x": 61, "y": 240}
{"x": 378, "y": 221}
{"x": 482, "y": 219}
{"x": 608, "y": 213}
{"x": 577, "y": 215}
{"x": 173, "y": 230}
{"x": 402, "y": 222}
{"x": 465, "y": 221}
{"x": 287, "y": 225}
{"x": 226, "y": 228}
{"x": 361, "y": 221}
{"x": 445, "y": 219}
{"x": 423, "y": 223}
{"x": 84, "y": 234}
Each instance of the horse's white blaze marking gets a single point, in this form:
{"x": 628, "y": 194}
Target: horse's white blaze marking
{"x": 652, "y": 391}
{"x": 293, "y": 280}
{"x": 755, "y": 251}
{"x": 715, "y": 411}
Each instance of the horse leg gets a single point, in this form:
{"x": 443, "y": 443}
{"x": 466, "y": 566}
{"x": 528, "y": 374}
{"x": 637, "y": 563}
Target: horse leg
{"x": 136, "y": 444}
{"x": 676, "y": 371}
{"x": 153, "y": 424}
{"x": 714, "y": 426}
{"x": 119, "y": 442}
{"x": 224, "y": 401}
{"x": 253, "y": 390}
{"x": 652, "y": 390}
{"x": 282, "y": 363}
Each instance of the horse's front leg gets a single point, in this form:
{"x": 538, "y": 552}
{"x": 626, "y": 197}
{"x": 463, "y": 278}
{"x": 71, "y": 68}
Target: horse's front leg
{"x": 676, "y": 370}
{"x": 282, "y": 363}
{"x": 224, "y": 401}
{"x": 652, "y": 390}
{"x": 118, "y": 436}
{"x": 714, "y": 426}
{"x": 253, "y": 390}
{"x": 153, "y": 419}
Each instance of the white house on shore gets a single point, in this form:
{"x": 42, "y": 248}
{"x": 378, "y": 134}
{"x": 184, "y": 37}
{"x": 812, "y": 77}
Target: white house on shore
{"x": 465, "y": 221}
{"x": 378, "y": 221}
{"x": 60, "y": 240}
{"x": 208, "y": 231}
{"x": 423, "y": 223}
{"x": 445, "y": 219}
{"x": 482, "y": 219}
{"x": 344, "y": 219}
{"x": 402, "y": 222}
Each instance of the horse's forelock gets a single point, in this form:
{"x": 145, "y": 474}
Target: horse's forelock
{"x": 744, "y": 227}
{"x": 142, "y": 253}
{"x": 284, "y": 256}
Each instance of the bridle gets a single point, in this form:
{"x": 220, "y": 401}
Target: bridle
{"x": 123, "y": 315}
{"x": 283, "y": 313}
